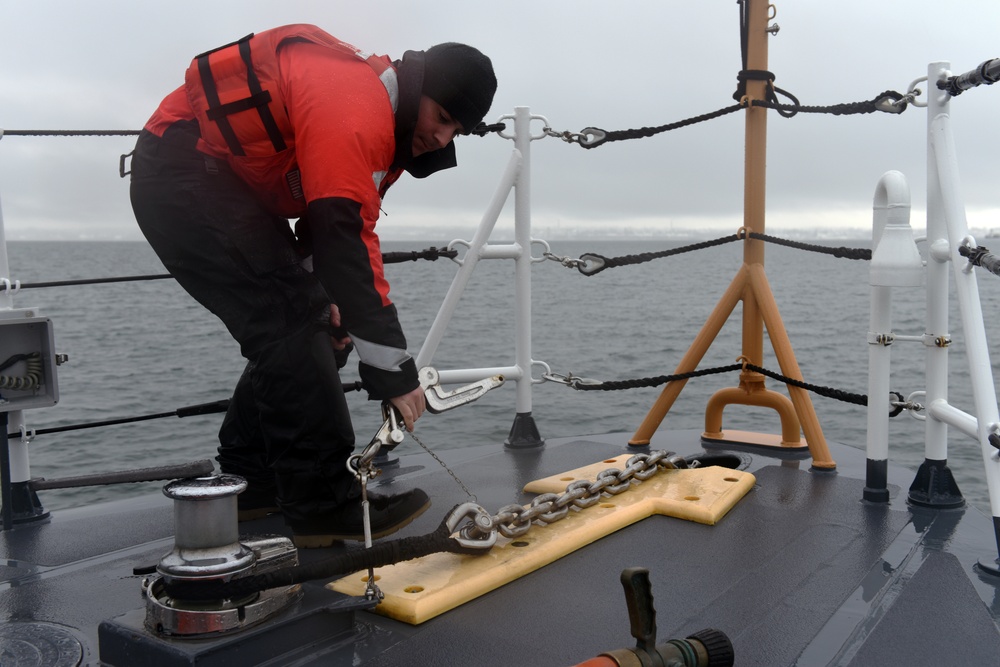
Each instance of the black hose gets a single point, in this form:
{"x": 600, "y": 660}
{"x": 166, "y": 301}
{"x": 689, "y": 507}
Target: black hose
{"x": 379, "y": 555}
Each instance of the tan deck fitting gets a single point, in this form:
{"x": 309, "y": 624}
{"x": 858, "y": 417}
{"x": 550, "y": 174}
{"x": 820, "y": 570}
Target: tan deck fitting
{"x": 751, "y": 287}
{"x": 418, "y": 590}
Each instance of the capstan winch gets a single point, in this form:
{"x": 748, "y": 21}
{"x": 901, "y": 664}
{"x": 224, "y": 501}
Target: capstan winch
{"x": 207, "y": 548}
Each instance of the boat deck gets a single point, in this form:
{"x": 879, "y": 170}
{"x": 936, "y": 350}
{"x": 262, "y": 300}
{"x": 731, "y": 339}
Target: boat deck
{"x": 800, "y": 571}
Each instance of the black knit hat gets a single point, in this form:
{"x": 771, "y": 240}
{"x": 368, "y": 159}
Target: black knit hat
{"x": 460, "y": 79}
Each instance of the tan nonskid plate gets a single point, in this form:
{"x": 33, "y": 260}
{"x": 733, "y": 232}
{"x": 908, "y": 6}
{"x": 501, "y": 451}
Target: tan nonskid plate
{"x": 755, "y": 439}
{"x": 418, "y": 590}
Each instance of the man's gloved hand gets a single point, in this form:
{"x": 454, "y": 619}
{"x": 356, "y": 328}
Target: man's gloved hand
{"x": 341, "y": 342}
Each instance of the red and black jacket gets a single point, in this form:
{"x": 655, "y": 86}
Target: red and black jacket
{"x": 310, "y": 123}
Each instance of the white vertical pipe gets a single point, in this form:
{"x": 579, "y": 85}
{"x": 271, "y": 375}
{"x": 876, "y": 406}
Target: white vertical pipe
{"x": 879, "y": 322}
{"x": 936, "y": 431}
{"x": 977, "y": 349}
{"x": 522, "y": 270}
{"x": 895, "y": 263}
{"x": 6, "y": 299}
{"x": 20, "y": 467}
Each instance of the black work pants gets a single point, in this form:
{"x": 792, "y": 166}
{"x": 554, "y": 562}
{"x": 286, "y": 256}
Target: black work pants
{"x": 288, "y": 428}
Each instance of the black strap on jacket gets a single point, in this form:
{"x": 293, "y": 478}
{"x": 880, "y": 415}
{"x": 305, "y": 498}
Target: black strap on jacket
{"x": 259, "y": 99}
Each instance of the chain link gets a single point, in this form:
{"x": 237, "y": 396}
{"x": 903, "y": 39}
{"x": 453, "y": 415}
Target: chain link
{"x": 516, "y": 520}
{"x": 568, "y": 262}
{"x": 588, "y": 137}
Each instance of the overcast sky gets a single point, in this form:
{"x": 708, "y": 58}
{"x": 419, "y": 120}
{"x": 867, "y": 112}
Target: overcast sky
{"x": 613, "y": 65}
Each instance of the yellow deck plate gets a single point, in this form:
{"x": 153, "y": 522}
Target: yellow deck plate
{"x": 418, "y": 590}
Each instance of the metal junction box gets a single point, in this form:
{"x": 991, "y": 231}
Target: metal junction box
{"x": 27, "y": 361}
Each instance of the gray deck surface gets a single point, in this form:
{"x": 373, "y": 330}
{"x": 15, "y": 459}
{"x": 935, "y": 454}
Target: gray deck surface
{"x": 801, "y": 571}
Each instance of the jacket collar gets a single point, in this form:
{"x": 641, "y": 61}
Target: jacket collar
{"x": 410, "y": 73}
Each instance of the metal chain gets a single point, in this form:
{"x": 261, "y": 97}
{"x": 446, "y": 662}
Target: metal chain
{"x": 516, "y": 520}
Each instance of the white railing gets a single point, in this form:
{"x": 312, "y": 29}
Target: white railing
{"x": 516, "y": 177}
{"x": 947, "y": 232}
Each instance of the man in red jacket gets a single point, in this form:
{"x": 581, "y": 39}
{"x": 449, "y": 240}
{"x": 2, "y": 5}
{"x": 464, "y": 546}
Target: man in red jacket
{"x": 294, "y": 123}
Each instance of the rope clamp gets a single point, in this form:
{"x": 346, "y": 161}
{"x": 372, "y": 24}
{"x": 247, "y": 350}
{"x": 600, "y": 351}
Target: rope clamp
{"x": 570, "y": 380}
{"x": 480, "y": 535}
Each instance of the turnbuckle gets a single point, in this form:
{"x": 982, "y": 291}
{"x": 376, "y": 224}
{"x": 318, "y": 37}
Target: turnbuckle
{"x": 480, "y": 534}
{"x": 372, "y": 591}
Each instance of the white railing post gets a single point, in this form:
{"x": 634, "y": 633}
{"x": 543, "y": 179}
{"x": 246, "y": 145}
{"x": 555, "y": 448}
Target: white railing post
{"x": 937, "y": 336}
{"x": 516, "y": 177}
{"x": 523, "y": 432}
{"x": 18, "y": 500}
{"x": 951, "y": 232}
{"x": 895, "y": 263}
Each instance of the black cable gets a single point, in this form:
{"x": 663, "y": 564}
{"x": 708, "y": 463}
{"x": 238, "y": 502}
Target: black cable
{"x": 13, "y": 359}
{"x": 430, "y": 254}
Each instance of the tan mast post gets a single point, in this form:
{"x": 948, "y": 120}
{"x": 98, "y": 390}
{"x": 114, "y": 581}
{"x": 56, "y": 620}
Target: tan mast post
{"x": 751, "y": 287}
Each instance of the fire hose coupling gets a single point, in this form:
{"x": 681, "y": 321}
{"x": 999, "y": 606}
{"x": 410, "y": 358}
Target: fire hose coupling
{"x": 706, "y": 648}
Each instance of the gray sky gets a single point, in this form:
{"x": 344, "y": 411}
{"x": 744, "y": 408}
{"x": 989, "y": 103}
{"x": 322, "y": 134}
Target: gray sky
{"x": 620, "y": 65}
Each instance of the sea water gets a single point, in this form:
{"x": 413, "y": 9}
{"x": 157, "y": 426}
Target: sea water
{"x": 140, "y": 348}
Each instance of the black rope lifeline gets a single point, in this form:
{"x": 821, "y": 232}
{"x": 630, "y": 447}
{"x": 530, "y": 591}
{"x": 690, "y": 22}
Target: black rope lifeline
{"x": 379, "y": 555}
{"x": 888, "y": 102}
{"x": 881, "y": 102}
{"x": 69, "y": 133}
{"x": 645, "y": 132}
{"x": 96, "y": 281}
{"x": 840, "y": 251}
{"x": 396, "y": 257}
{"x": 590, "y": 267}
{"x": 480, "y": 130}
{"x": 615, "y": 385}
{"x": 640, "y": 258}
{"x": 190, "y": 411}
{"x": 827, "y": 392}
{"x": 213, "y": 407}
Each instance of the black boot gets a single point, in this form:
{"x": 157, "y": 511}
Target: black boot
{"x": 346, "y": 522}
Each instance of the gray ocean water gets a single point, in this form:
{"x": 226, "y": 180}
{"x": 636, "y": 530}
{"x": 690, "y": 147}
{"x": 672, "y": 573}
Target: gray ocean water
{"x": 141, "y": 348}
